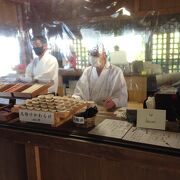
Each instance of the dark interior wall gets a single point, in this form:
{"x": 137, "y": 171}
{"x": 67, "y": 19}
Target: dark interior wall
{"x": 8, "y": 14}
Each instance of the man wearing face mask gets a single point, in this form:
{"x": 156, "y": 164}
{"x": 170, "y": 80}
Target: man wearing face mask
{"x": 102, "y": 82}
{"x": 45, "y": 67}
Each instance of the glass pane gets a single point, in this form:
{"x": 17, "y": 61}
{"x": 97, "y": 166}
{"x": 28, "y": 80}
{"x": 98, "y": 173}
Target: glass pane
{"x": 175, "y": 45}
{"x": 176, "y": 51}
{"x": 164, "y": 41}
{"x": 176, "y": 34}
{"x": 171, "y": 40}
{"x": 159, "y": 41}
{"x": 154, "y": 46}
{"x": 165, "y": 35}
{"x": 154, "y": 51}
{"x": 176, "y": 40}
{"x": 154, "y": 56}
{"x": 172, "y": 35}
{"x": 159, "y": 46}
{"x": 155, "y": 36}
{"x": 171, "y": 45}
{"x": 160, "y": 36}
{"x": 159, "y": 52}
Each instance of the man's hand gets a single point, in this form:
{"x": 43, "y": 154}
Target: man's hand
{"x": 109, "y": 104}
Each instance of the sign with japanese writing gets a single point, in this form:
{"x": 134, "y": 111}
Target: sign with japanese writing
{"x": 151, "y": 118}
{"x": 36, "y": 116}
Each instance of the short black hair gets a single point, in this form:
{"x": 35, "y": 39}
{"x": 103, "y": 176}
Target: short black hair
{"x": 94, "y": 52}
{"x": 41, "y": 38}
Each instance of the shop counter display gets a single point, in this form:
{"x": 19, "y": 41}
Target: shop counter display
{"x": 48, "y": 152}
{"x": 50, "y": 109}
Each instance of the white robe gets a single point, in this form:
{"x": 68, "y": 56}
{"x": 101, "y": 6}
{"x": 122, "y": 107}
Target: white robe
{"x": 110, "y": 83}
{"x": 45, "y": 70}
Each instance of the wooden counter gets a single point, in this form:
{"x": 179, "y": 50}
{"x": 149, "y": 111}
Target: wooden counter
{"x": 40, "y": 152}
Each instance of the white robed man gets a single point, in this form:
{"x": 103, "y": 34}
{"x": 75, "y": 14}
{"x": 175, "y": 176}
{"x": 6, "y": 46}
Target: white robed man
{"x": 102, "y": 82}
{"x": 45, "y": 67}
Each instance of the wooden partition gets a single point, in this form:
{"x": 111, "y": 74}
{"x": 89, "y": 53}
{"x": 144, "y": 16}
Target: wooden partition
{"x": 137, "y": 88}
{"x": 12, "y": 161}
{"x": 46, "y": 157}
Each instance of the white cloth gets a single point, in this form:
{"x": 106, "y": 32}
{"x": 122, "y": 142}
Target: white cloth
{"x": 110, "y": 83}
{"x": 44, "y": 70}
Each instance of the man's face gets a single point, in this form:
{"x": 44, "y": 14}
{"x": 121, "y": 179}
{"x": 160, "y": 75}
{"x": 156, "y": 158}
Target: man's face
{"x": 38, "y": 47}
{"x": 94, "y": 58}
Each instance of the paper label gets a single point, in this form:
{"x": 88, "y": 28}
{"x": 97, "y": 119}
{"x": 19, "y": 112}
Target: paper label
{"x": 153, "y": 137}
{"x": 151, "y": 118}
{"x": 78, "y": 120}
{"x": 36, "y": 116}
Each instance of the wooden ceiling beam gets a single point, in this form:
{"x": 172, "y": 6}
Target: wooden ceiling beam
{"x": 17, "y": 1}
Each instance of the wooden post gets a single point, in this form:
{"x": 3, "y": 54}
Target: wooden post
{"x": 33, "y": 162}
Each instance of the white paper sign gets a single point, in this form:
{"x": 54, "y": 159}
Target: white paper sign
{"x": 36, "y": 116}
{"x": 151, "y": 118}
{"x": 111, "y": 128}
{"x": 78, "y": 120}
{"x": 154, "y": 137}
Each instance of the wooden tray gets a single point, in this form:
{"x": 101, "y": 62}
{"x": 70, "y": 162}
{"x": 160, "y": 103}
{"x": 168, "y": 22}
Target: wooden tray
{"x": 21, "y": 89}
{"x": 36, "y": 116}
{"x": 41, "y": 90}
{"x": 7, "y": 86}
{"x": 6, "y": 94}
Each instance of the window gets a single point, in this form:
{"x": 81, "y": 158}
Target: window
{"x": 82, "y": 54}
{"x": 10, "y": 54}
{"x": 165, "y": 51}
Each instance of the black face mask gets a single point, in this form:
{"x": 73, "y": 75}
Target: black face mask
{"x": 38, "y": 50}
